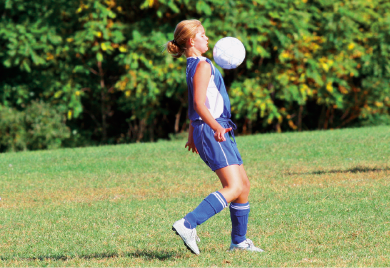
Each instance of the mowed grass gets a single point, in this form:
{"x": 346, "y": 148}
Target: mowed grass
{"x": 318, "y": 198}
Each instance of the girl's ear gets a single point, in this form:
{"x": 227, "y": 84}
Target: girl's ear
{"x": 190, "y": 42}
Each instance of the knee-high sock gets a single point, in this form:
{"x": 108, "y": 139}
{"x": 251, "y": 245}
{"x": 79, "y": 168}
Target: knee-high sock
{"x": 211, "y": 205}
{"x": 239, "y": 216}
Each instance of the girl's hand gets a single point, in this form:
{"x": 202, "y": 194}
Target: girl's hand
{"x": 219, "y": 135}
{"x": 191, "y": 146}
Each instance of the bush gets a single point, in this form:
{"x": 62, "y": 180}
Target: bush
{"x": 12, "y": 130}
{"x": 39, "y": 126}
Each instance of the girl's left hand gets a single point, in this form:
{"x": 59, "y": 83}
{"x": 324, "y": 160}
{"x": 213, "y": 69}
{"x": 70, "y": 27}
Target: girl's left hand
{"x": 219, "y": 134}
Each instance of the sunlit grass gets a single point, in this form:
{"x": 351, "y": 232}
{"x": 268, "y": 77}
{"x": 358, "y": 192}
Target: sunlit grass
{"x": 317, "y": 199}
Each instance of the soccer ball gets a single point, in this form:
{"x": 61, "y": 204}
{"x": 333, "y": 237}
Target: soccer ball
{"x": 229, "y": 52}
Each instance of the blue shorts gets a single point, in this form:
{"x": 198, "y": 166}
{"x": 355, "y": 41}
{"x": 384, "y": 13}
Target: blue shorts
{"x": 216, "y": 154}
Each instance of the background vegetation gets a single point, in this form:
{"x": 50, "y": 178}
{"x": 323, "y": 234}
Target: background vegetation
{"x": 318, "y": 199}
{"x": 95, "y": 70}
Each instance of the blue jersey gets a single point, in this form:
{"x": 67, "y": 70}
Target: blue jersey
{"x": 217, "y": 99}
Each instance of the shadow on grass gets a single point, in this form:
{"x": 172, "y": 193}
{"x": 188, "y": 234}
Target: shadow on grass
{"x": 143, "y": 254}
{"x": 351, "y": 170}
{"x": 151, "y": 255}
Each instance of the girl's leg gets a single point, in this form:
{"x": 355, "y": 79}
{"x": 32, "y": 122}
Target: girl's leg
{"x": 233, "y": 189}
{"x": 235, "y": 183}
{"x": 236, "y": 188}
{"x": 211, "y": 205}
{"x": 239, "y": 211}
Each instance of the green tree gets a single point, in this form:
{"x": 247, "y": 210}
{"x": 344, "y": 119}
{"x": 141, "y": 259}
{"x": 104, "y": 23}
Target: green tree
{"x": 310, "y": 64}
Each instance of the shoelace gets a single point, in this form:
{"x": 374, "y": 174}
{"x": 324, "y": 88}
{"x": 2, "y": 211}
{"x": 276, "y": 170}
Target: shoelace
{"x": 194, "y": 235}
{"x": 249, "y": 243}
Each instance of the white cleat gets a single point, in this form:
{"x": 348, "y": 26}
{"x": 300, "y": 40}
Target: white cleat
{"x": 188, "y": 235}
{"x": 245, "y": 245}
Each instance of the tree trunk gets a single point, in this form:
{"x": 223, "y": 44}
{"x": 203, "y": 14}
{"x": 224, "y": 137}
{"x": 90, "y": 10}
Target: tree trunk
{"x": 300, "y": 118}
{"x": 322, "y": 117}
{"x": 103, "y": 105}
{"x": 177, "y": 120}
{"x": 327, "y": 119}
{"x": 141, "y": 131}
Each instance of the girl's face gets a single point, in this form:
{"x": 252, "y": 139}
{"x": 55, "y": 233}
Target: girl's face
{"x": 201, "y": 40}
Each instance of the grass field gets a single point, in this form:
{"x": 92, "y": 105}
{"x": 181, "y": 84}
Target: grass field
{"x": 318, "y": 199}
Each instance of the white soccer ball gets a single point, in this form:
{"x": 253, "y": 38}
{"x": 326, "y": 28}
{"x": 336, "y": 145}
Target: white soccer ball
{"x": 229, "y": 52}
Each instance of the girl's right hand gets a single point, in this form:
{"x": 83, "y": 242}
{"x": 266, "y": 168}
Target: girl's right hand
{"x": 219, "y": 135}
{"x": 191, "y": 146}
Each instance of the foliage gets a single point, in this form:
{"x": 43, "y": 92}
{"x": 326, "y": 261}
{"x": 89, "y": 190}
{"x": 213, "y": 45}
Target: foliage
{"x": 328, "y": 53}
{"x": 311, "y": 64}
{"x": 46, "y": 127}
{"x": 12, "y": 131}
{"x": 39, "y": 126}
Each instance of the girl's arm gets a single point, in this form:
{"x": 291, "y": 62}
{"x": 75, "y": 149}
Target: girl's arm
{"x": 190, "y": 143}
{"x": 201, "y": 82}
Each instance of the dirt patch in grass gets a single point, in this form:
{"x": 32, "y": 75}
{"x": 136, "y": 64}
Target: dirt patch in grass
{"x": 136, "y": 188}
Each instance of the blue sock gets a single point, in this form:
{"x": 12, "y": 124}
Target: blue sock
{"x": 239, "y": 215}
{"x": 211, "y": 205}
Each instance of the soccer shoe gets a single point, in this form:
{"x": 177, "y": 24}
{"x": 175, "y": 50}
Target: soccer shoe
{"x": 188, "y": 235}
{"x": 245, "y": 245}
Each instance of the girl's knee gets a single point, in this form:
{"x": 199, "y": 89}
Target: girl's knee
{"x": 246, "y": 185}
{"x": 235, "y": 190}
{"x": 245, "y": 189}
{"x": 238, "y": 190}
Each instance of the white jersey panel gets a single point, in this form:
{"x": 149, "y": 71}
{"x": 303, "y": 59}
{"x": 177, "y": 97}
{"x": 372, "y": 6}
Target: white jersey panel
{"x": 214, "y": 100}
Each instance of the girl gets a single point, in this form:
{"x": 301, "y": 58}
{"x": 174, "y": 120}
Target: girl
{"x": 209, "y": 112}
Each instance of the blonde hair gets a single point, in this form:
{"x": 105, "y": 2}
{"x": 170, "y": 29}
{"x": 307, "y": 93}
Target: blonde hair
{"x": 184, "y": 30}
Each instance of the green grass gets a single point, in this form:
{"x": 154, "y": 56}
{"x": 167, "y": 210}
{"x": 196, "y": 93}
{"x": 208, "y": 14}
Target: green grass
{"x": 317, "y": 199}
